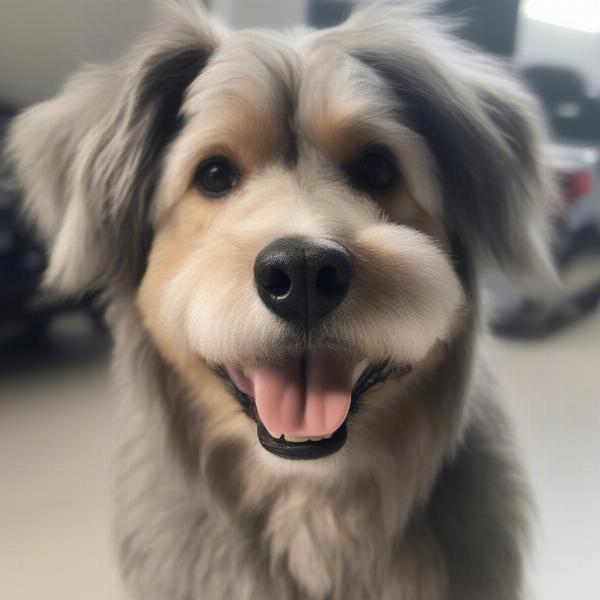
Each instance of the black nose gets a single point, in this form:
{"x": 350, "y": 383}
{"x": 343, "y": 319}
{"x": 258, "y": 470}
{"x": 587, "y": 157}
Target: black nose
{"x": 302, "y": 280}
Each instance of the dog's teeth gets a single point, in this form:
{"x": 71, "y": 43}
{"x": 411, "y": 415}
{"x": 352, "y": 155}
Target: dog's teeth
{"x": 291, "y": 438}
{"x": 312, "y": 438}
{"x": 274, "y": 435}
{"x": 327, "y": 437}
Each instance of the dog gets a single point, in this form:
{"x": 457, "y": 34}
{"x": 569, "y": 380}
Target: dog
{"x": 288, "y": 233}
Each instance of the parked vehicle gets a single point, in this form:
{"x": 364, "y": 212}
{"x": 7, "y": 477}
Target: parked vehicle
{"x": 575, "y": 158}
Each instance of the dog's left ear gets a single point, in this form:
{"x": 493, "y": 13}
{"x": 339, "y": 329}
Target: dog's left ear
{"x": 482, "y": 128}
{"x": 89, "y": 159}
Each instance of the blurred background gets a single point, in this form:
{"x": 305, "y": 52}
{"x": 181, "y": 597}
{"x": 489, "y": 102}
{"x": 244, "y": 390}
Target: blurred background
{"x": 56, "y": 403}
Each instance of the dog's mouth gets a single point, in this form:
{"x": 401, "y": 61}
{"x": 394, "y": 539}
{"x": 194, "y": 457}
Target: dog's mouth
{"x": 301, "y": 406}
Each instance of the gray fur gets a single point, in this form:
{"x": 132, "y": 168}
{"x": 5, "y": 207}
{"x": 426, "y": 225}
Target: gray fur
{"x": 97, "y": 149}
{"x": 437, "y": 508}
{"x": 484, "y": 130}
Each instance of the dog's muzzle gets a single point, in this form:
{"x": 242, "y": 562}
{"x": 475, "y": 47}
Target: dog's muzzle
{"x": 301, "y": 402}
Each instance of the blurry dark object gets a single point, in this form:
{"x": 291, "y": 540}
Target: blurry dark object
{"x": 325, "y": 13}
{"x": 534, "y": 320}
{"x": 572, "y": 114}
{"x": 576, "y": 252}
{"x": 24, "y": 308}
{"x": 491, "y": 24}
{"x": 575, "y": 155}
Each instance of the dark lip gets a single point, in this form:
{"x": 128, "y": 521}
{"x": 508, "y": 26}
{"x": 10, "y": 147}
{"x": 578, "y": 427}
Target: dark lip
{"x": 375, "y": 374}
{"x": 301, "y": 450}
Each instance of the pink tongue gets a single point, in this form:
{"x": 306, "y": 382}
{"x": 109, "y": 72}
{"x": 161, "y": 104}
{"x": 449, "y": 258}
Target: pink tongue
{"x": 316, "y": 407}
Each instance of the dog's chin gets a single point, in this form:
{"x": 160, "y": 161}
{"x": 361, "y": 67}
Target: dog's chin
{"x": 301, "y": 405}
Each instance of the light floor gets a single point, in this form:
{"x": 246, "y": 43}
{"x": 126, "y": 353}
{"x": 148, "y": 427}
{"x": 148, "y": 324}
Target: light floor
{"x": 56, "y": 422}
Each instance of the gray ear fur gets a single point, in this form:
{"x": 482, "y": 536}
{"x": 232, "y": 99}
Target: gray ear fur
{"x": 483, "y": 129}
{"x": 88, "y": 159}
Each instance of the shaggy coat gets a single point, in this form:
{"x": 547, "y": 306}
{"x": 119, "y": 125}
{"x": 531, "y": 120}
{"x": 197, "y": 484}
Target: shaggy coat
{"x": 425, "y": 500}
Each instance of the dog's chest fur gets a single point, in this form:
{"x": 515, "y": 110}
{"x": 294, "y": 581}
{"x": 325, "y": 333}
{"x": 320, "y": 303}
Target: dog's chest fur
{"x": 179, "y": 539}
{"x": 297, "y": 548}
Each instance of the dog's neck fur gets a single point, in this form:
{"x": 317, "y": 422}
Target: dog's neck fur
{"x": 291, "y": 536}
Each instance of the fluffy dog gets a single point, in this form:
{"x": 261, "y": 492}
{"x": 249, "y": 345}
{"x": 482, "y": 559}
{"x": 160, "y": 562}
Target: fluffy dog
{"x": 288, "y": 232}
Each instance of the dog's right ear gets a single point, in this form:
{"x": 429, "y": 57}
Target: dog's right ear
{"x": 89, "y": 159}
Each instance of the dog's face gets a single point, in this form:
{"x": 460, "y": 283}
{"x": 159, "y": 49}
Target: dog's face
{"x": 304, "y": 198}
{"x": 299, "y": 246}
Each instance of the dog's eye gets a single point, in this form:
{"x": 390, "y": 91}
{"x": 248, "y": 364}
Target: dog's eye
{"x": 374, "y": 171}
{"x": 216, "y": 177}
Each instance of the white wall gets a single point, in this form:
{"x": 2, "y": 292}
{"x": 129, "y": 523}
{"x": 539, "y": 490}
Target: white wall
{"x": 43, "y": 41}
{"x": 278, "y": 14}
{"x": 541, "y": 43}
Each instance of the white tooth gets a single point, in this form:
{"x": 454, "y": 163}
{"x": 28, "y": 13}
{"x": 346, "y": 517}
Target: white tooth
{"x": 297, "y": 439}
{"x": 327, "y": 437}
{"x": 291, "y": 438}
{"x": 275, "y": 435}
{"x": 359, "y": 370}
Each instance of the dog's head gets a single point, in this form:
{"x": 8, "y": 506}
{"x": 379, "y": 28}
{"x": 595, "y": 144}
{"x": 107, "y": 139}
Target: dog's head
{"x": 296, "y": 217}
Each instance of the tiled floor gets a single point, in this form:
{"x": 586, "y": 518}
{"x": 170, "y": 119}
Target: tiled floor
{"x": 56, "y": 421}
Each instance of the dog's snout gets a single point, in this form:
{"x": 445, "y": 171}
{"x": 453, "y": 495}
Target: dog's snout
{"x": 302, "y": 280}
